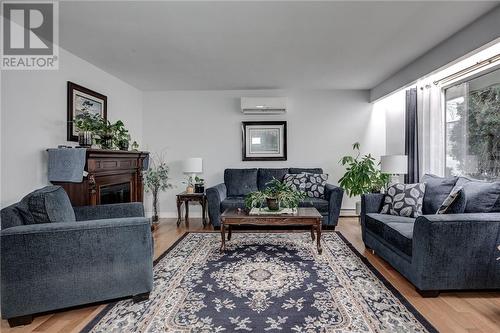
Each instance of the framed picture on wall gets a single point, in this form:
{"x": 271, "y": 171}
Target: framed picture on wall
{"x": 83, "y": 100}
{"x": 263, "y": 140}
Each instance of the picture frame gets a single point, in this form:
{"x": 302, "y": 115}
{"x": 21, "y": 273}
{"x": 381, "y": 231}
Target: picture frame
{"x": 80, "y": 100}
{"x": 264, "y": 141}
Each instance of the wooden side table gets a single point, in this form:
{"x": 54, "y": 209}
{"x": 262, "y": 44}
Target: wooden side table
{"x": 185, "y": 198}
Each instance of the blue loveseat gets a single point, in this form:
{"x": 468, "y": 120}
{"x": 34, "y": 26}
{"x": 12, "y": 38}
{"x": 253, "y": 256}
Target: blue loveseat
{"x": 438, "y": 252}
{"x": 240, "y": 182}
{"x": 55, "y": 256}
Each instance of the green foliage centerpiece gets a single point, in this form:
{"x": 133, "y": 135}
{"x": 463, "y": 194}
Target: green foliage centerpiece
{"x": 276, "y": 196}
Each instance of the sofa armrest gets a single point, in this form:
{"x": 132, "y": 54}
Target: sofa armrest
{"x": 57, "y": 265}
{"x": 370, "y": 203}
{"x": 334, "y": 195}
{"x": 131, "y": 209}
{"x": 456, "y": 251}
{"x": 215, "y": 195}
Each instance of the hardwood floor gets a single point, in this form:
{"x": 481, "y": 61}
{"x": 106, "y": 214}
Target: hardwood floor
{"x": 468, "y": 312}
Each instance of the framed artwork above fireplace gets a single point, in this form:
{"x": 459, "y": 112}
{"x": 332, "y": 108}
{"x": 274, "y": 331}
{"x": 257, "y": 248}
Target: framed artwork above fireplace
{"x": 83, "y": 100}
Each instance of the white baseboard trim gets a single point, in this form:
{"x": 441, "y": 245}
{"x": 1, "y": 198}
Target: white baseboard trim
{"x": 168, "y": 215}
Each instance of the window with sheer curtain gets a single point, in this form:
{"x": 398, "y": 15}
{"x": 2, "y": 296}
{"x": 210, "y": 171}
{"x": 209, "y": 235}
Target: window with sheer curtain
{"x": 472, "y": 127}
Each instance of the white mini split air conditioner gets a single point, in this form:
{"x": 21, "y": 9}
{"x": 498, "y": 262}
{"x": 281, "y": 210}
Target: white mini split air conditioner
{"x": 263, "y": 105}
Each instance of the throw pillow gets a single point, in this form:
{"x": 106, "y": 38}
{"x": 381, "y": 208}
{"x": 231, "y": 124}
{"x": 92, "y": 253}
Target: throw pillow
{"x": 404, "y": 200}
{"x": 454, "y": 203}
{"x": 46, "y": 205}
{"x": 313, "y": 184}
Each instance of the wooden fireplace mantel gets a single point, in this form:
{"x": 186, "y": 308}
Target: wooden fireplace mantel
{"x": 105, "y": 168}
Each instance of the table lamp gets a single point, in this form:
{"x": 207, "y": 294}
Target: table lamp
{"x": 395, "y": 165}
{"x": 192, "y": 166}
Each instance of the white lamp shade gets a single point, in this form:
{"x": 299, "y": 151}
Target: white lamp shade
{"x": 394, "y": 164}
{"x": 193, "y": 165}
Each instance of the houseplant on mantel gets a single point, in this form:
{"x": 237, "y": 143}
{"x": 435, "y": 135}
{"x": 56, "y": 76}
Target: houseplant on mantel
{"x": 156, "y": 180}
{"x": 361, "y": 176}
{"x": 87, "y": 124}
{"x": 106, "y": 134}
{"x": 276, "y": 196}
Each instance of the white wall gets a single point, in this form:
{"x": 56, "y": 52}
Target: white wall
{"x": 393, "y": 107}
{"x": 33, "y": 105}
{"x": 322, "y": 125}
{"x": 472, "y": 37}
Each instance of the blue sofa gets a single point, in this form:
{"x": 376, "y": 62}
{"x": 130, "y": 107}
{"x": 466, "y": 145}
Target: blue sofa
{"x": 239, "y": 182}
{"x": 438, "y": 252}
{"x": 55, "y": 256}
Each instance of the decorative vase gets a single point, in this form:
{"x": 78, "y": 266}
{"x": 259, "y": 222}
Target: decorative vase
{"x": 123, "y": 145}
{"x": 358, "y": 208}
{"x": 155, "y": 207}
{"x": 190, "y": 189}
{"x": 106, "y": 142}
{"x": 272, "y": 204}
{"x": 85, "y": 138}
{"x": 199, "y": 188}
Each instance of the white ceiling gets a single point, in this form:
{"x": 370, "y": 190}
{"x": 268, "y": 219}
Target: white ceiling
{"x": 258, "y": 45}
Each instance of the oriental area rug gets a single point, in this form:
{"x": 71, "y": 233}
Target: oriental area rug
{"x": 264, "y": 282}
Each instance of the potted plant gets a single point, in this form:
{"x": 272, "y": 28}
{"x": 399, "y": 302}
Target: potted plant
{"x": 362, "y": 175}
{"x": 86, "y": 124}
{"x": 199, "y": 185}
{"x": 156, "y": 180}
{"x": 105, "y": 134}
{"x": 121, "y": 137}
{"x": 276, "y": 196}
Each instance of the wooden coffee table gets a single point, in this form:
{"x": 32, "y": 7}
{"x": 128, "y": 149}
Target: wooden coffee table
{"x": 304, "y": 216}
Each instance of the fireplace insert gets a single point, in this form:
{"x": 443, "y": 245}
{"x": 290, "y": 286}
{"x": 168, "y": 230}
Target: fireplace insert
{"x": 116, "y": 193}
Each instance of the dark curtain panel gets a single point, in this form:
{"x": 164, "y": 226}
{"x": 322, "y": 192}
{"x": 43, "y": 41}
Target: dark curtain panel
{"x": 411, "y": 136}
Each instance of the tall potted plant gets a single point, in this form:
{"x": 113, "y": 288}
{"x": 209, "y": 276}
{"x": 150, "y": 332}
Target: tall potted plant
{"x": 156, "y": 180}
{"x": 362, "y": 175}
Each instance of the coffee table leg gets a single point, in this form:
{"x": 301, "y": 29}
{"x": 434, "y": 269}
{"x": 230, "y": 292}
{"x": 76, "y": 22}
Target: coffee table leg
{"x": 223, "y": 234}
{"x": 320, "y": 250}
{"x": 312, "y": 233}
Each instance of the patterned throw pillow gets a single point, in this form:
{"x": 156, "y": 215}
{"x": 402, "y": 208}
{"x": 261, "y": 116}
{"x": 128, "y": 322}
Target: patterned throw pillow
{"x": 313, "y": 184}
{"x": 404, "y": 200}
{"x": 453, "y": 197}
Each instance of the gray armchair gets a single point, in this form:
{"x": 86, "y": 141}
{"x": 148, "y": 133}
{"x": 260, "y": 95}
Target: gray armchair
{"x": 79, "y": 256}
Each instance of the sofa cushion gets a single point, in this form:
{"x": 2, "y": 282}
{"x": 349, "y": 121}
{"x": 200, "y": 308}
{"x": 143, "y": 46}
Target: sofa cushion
{"x": 240, "y": 182}
{"x": 437, "y": 190}
{"x": 232, "y": 202}
{"x": 302, "y": 170}
{"x": 404, "y": 200}
{"x": 46, "y": 205}
{"x": 264, "y": 176}
{"x": 481, "y": 196}
{"x": 395, "y": 230}
{"x": 320, "y": 204}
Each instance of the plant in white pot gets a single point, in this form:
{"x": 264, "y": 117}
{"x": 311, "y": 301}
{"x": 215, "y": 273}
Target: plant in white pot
{"x": 362, "y": 175}
{"x": 156, "y": 180}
